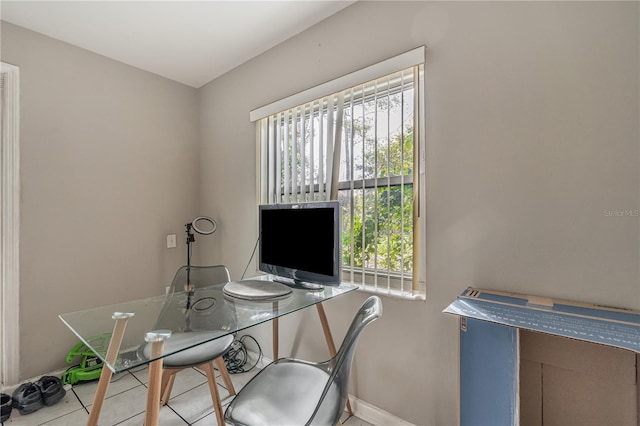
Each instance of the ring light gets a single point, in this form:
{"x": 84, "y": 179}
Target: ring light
{"x": 203, "y": 225}
{"x": 206, "y": 220}
{"x": 204, "y": 304}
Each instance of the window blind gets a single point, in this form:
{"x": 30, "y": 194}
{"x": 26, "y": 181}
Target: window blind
{"x": 360, "y": 146}
{"x": 405, "y": 60}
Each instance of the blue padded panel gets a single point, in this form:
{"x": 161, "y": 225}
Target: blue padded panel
{"x": 488, "y": 374}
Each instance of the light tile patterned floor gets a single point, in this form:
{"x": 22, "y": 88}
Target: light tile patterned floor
{"x": 190, "y": 402}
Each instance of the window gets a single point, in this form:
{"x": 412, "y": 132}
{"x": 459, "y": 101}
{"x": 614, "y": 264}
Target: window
{"x": 360, "y": 145}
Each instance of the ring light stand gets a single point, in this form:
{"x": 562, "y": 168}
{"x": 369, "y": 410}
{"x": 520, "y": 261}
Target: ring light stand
{"x": 203, "y": 225}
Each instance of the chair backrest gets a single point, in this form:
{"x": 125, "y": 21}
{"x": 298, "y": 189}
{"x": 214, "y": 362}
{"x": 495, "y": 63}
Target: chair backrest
{"x": 173, "y": 309}
{"x": 340, "y": 365}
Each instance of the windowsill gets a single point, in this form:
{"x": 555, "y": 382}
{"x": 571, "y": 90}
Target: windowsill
{"x": 397, "y": 294}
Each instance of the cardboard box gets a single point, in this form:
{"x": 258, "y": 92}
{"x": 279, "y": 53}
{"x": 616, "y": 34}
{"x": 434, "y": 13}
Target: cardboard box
{"x": 569, "y": 382}
{"x": 528, "y": 360}
{"x": 530, "y": 393}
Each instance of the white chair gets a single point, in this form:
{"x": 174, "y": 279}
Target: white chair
{"x": 203, "y": 355}
{"x": 295, "y": 392}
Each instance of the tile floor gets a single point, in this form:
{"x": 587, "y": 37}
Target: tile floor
{"x": 190, "y": 402}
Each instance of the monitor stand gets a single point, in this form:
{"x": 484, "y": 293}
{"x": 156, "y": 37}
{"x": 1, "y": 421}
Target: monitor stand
{"x": 299, "y": 284}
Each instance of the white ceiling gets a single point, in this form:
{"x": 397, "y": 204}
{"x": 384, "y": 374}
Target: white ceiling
{"x": 191, "y": 42}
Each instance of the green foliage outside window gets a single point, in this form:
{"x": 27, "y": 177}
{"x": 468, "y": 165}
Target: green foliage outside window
{"x": 377, "y": 222}
{"x": 377, "y": 146}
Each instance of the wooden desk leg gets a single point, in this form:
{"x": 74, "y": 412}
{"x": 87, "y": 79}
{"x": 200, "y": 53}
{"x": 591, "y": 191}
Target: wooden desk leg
{"x": 329, "y": 338}
{"x": 222, "y": 367}
{"x": 275, "y": 338}
{"x": 274, "y": 325}
{"x": 156, "y": 338}
{"x": 111, "y": 357}
{"x": 213, "y": 389}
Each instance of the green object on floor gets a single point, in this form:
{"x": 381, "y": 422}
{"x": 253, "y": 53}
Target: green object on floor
{"x": 90, "y": 366}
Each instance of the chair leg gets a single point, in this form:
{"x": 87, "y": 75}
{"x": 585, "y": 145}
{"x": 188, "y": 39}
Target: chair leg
{"x": 168, "y": 377}
{"x": 222, "y": 367}
{"x": 213, "y": 387}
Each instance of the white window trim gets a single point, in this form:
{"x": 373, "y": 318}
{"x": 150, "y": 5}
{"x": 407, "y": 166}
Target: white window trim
{"x": 402, "y": 61}
{"x": 10, "y": 287}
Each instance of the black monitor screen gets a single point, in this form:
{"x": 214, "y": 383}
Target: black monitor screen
{"x": 301, "y": 241}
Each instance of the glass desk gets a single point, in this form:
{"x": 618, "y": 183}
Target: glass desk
{"x": 130, "y": 326}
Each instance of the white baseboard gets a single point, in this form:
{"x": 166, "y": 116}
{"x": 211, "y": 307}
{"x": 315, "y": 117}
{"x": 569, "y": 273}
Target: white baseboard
{"x": 374, "y": 415}
{"x": 58, "y": 373}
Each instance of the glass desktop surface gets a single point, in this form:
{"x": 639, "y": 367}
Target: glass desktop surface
{"x": 213, "y": 314}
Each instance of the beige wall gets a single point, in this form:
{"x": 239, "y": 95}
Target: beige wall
{"x": 108, "y": 168}
{"x": 532, "y": 136}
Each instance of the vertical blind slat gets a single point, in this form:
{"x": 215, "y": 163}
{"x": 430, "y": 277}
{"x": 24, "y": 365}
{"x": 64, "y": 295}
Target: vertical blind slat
{"x": 262, "y": 135}
{"x": 303, "y": 150}
{"x": 321, "y": 151}
{"x": 376, "y": 173}
{"x": 416, "y": 176}
{"x": 351, "y": 193}
{"x": 388, "y": 230}
{"x": 286, "y": 158}
{"x": 278, "y": 160}
{"x": 312, "y": 165}
{"x": 329, "y": 148}
{"x": 294, "y": 155}
{"x": 270, "y": 159}
{"x": 363, "y": 259}
{"x": 337, "y": 148}
{"x": 402, "y": 136}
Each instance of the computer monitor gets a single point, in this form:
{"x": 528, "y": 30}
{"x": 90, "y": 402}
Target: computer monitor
{"x": 301, "y": 243}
